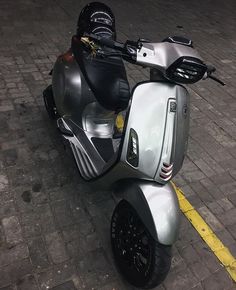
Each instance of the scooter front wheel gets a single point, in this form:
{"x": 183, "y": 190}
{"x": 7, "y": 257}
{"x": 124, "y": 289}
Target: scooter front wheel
{"x": 141, "y": 260}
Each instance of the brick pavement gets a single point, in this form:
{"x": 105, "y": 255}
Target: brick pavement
{"x": 54, "y": 230}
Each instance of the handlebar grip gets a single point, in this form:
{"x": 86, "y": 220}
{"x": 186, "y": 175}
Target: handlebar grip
{"x": 105, "y": 41}
{"x": 211, "y": 69}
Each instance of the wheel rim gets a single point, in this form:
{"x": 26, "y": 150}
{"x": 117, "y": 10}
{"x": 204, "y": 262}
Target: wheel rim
{"x": 131, "y": 244}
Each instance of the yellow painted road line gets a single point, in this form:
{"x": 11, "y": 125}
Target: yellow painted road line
{"x": 217, "y": 247}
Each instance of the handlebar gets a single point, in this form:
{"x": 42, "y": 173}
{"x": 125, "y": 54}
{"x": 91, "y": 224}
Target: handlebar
{"x": 127, "y": 50}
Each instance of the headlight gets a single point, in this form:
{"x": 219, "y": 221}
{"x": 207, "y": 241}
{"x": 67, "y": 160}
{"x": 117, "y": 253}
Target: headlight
{"x": 186, "y": 70}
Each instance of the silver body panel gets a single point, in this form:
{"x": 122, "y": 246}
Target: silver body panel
{"x": 158, "y": 208}
{"x": 162, "y": 55}
{"x": 89, "y": 162}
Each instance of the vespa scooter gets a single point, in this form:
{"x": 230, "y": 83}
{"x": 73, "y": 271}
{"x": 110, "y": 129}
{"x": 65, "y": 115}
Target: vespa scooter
{"x": 89, "y": 90}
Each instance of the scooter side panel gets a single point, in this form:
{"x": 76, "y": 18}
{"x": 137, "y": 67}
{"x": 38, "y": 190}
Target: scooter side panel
{"x": 181, "y": 128}
{"x": 158, "y": 208}
{"x": 71, "y": 91}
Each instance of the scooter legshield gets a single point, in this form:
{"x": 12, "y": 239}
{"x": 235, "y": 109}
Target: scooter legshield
{"x": 157, "y": 129}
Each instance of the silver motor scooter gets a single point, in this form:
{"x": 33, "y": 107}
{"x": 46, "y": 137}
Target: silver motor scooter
{"x": 140, "y": 160}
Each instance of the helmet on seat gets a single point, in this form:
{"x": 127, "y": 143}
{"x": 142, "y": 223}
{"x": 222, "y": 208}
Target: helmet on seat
{"x": 96, "y": 18}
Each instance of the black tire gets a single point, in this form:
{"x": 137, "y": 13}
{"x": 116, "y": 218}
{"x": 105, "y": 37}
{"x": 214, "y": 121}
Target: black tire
{"x": 140, "y": 259}
{"x": 49, "y": 102}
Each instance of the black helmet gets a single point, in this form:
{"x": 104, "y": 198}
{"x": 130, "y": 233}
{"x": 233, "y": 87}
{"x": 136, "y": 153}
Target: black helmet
{"x": 96, "y": 18}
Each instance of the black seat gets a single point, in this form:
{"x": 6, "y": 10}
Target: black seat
{"x": 106, "y": 77}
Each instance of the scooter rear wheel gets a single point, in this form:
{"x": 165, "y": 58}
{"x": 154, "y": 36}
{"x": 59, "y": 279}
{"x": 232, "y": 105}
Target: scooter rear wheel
{"x": 141, "y": 260}
{"x": 49, "y": 102}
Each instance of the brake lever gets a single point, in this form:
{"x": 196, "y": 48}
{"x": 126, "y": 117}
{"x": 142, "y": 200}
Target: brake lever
{"x": 216, "y": 80}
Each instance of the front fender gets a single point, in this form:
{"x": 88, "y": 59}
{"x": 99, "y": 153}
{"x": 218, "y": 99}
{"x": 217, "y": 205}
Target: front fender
{"x": 158, "y": 207}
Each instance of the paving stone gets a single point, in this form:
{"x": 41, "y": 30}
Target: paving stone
{"x": 23, "y": 199}
{"x": 61, "y": 193}
{"x": 40, "y": 197}
{"x": 46, "y": 219}
{"x": 215, "y": 208}
{"x": 10, "y": 157}
{"x": 30, "y": 224}
{"x": 3, "y": 182}
{"x": 55, "y": 276}
{"x": 197, "y": 287}
{"x": 189, "y": 255}
{"x": 232, "y": 198}
{"x": 195, "y": 201}
{"x": 212, "y": 189}
{"x": 188, "y": 165}
{"x": 203, "y": 166}
{"x": 210, "y": 219}
{"x": 209, "y": 160}
{"x": 7, "y": 209}
{"x": 38, "y": 253}
{"x": 199, "y": 270}
{"x": 2, "y": 236}
{"x": 79, "y": 247}
{"x": 71, "y": 233}
{"x": 65, "y": 286}
{"x": 228, "y": 218}
{"x": 225, "y": 204}
{"x": 193, "y": 176}
{"x": 179, "y": 180}
{"x": 233, "y": 173}
{"x": 62, "y": 213}
{"x": 218, "y": 281}
{"x": 188, "y": 191}
{"x": 232, "y": 230}
{"x": 201, "y": 192}
{"x": 228, "y": 166}
{"x": 222, "y": 178}
{"x": 13, "y": 272}
{"x": 56, "y": 247}
{"x": 232, "y": 248}
{"x": 229, "y": 188}
{"x": 102, "y": 227}
{"x": 207, "y": 257}
{"x": 82, "y": 228}
{"x": 94, "y": 270}
{"x": 27, "y": 282}
{"x": 12, "y": 230}
{"x": 181, "y": 280}
{"x": 120, "y": 286}
{"x": 8, "y": 288}
{"x": 177, "y": 262}
{"x": 187, "y": 234}
{"x": 13, "y": 254}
